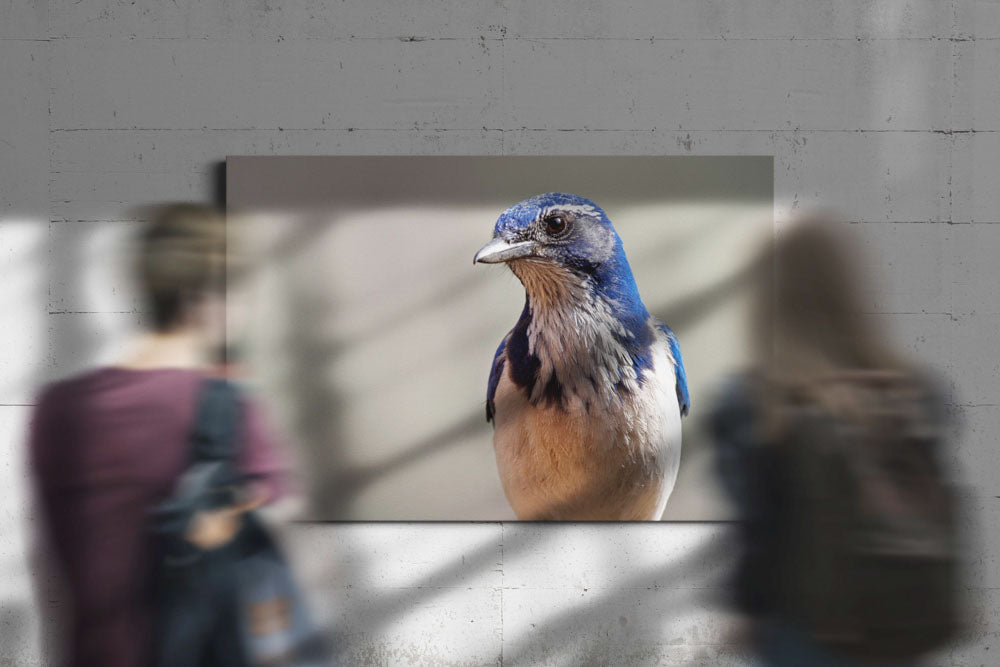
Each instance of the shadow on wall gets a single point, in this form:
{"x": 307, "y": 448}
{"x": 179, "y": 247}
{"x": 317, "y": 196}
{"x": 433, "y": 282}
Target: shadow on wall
{"x": 385, "y": 349}
{"x": 597, "y": 630}
{"x": 317, "y": 406}
{"x": 644, "y": 608}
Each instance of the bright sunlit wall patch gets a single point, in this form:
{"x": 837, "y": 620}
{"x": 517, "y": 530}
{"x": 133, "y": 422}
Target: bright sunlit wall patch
{"x": 370, "y": 334}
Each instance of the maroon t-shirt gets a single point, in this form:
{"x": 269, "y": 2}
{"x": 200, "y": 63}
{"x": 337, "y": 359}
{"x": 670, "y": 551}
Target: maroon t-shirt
{"x": 106, "y": 447}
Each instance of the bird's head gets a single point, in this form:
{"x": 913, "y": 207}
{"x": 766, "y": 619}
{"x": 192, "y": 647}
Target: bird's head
{"x": 566, "y": 230}
{"x": 556, "y": 237}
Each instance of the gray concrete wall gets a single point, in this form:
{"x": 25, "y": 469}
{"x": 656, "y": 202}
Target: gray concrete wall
{"x": 888, "y": 109}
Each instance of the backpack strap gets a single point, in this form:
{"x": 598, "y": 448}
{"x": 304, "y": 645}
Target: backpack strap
{"x": 214, "y": 445}
{"x": 211, "y": 478}
{"x": 215, "y": 434}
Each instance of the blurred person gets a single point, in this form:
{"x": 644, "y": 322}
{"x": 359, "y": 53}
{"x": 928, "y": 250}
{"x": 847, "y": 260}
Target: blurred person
{"x": 829, "y": 448}
{"x": 108, "y": 445}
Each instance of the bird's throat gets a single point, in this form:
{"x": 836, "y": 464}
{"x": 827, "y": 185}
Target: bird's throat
{"x": 548, "y": 285}
{"x": 569, "y": 344}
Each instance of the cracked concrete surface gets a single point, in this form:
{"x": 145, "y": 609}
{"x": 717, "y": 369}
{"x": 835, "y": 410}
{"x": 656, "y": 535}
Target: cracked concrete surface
{"x": 888, "y": 110}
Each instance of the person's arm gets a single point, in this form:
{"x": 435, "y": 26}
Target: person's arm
{"x": 732, "y": 426}
{"x": 267, "y": 466}
{"x": 260, "y": 460}
{"x": 748, "y": 471}
{"x": 265, "y": 489}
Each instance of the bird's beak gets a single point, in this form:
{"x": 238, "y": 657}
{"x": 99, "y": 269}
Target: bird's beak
{"x": 498, "y": 250}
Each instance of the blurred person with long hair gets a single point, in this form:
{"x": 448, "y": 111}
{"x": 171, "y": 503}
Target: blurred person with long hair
{"x": 829, "y": 448}
{"x": 109, "y": 444}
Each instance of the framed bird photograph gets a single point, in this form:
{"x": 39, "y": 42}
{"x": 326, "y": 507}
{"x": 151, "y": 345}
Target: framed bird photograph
{"x": 496, "y": 338}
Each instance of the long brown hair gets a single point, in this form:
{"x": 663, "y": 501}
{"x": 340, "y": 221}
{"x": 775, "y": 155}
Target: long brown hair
{"x": 812, "y": 327}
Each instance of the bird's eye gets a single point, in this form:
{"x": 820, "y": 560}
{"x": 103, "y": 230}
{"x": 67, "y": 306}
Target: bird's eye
{"x": 556, "y": 225}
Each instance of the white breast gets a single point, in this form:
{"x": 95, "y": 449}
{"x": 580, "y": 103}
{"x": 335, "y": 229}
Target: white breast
{"x": 617, "y": 460}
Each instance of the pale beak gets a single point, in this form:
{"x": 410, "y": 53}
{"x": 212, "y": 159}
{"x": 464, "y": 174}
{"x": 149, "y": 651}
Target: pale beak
{"x": 498, "y": 250}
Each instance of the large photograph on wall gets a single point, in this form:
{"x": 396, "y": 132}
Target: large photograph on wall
{"x": 496, "y": 338}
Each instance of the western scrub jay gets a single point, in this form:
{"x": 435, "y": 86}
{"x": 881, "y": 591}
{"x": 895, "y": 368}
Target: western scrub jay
{"x": 587, "y": 391}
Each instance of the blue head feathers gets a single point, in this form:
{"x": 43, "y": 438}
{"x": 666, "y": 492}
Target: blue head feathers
{"x": 572, "y": 233}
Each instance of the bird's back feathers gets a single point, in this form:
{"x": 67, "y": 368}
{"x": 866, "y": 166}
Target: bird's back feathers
{"x": 683, "y": 395}
{"x": 499, "y": 361}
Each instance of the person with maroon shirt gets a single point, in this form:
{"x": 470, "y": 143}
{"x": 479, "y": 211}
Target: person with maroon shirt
{"x": 107, "y": 446}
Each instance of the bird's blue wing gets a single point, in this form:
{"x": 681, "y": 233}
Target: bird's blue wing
{"x": 683, "y": 396}
{"x": 495, "y": 372}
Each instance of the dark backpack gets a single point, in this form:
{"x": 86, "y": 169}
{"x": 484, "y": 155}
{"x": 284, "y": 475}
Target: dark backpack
{"x": 872, "y": 562}
{"x": 237, "y": 604}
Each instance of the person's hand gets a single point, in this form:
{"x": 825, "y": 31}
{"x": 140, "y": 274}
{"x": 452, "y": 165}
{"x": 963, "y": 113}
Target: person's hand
{"x": 211, "y": 529}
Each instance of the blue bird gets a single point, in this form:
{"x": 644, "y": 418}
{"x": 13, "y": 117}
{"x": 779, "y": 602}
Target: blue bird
{"x": 587, "y": 391}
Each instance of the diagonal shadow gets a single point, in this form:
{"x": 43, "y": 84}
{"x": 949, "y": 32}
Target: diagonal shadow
{"x": 688, "y": 311}
{"x": 348, "y": 481}
{"x": 639, "y": 592}
{"x": 307, "y": 233}
{"x": 380, "y": 611}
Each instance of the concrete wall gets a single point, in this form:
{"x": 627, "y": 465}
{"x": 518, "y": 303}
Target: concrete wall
{"x": 887, "y": 109}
